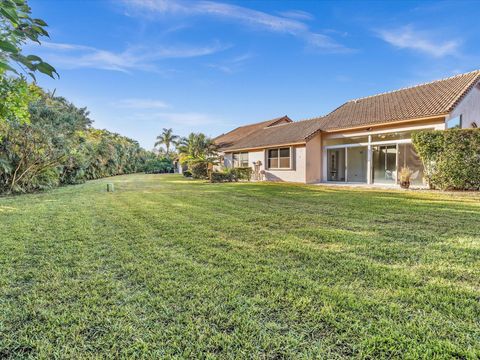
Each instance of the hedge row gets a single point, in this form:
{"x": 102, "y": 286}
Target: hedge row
{"x": 451, "y": 158}
{"x": 234, "y": 174}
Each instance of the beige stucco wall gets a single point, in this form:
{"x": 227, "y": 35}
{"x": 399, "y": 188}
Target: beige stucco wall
{"x": 313, "y": 163}
{"x": 297, "y": 174}
{"x": 469, "y": 108}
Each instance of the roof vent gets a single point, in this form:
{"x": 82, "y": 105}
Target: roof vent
{"x": 474, "y": 125}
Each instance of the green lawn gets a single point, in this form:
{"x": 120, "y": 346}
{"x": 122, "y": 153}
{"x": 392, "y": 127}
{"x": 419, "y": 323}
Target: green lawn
{"x": 169, "y": 267}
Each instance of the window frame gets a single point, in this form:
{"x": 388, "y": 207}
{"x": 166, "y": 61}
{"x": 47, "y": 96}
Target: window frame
{"x": 240, "y": 161}
{"x": 278, "y": 157}
{"x": 460, "y": 121}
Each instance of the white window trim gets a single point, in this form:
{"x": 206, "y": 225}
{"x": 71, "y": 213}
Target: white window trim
{"x": 290, "y": 148}
{"x": 239, "y": 160}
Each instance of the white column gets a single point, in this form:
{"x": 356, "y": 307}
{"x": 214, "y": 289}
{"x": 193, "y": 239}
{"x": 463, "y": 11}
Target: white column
{"x": 369, "y": 160}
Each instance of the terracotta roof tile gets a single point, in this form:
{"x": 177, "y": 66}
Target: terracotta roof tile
{"x": 426, "y": 100}
{"x": 285, "y": 133}
{"x": 232, "y": 137}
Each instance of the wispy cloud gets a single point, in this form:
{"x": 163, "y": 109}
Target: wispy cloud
{"x": 179, "y": 119}
{"x": 232, "y": 65}
{"x": 408, "y": 37}
{"x": 291, "y": 25}
{"x": 141, "y": 104}
{"x": 297, "y": 14}
{"x": 72, "y": 56}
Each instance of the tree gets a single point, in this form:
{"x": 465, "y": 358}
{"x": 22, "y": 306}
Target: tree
{"x": 166, "y": 138}
{"x": 197, "y": 147}
{"x": 16, "y": 28}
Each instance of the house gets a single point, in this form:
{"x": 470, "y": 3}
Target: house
{"x": 367, "y": 140}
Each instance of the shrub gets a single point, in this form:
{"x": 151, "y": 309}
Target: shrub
{"x": 231, "y": 174}
{"x": 159, "y": 166}
{"x": 451, "y": 158}
{"x": 187, "y": 173}
{"x": 243, "y": 173}
{"x": 217, "y": 177}
{"x": 199, "y": 169}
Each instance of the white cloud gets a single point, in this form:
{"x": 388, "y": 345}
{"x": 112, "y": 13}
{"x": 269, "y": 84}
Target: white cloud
{"x": 72, "y": 56}
{"x": 180, "y": 118}
{"x": 281, "y": 24}
{"x": 409, "y": 38}
{"x": 141, "y": 104}
{"x": 232, "y": 65}
{"x": 297, "y": 14}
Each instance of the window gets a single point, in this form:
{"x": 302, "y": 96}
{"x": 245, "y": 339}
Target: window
{"x": 279, "y": 158}
{"x": 240, "y": 159}
{"x": 456, "y": 122}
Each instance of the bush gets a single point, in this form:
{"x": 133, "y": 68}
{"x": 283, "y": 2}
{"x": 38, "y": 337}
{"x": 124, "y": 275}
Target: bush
{"x": 242, "y": 173}
{"x": 231, "y": 174}
{"x": 199, "y": 169}
{"x": 451, "y": 158}
{"x": 187, "y": 173}
{"x": 218, "y": 177}
{"x": 159, "y": 166}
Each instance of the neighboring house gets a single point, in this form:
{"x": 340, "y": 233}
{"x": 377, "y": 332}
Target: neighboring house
{"x": 366, "y": 140}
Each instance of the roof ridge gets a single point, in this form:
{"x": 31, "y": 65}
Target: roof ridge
{"x": 414, "y": 86}
{"x": 293, "y": 122}
{"x": 464, "y": 91}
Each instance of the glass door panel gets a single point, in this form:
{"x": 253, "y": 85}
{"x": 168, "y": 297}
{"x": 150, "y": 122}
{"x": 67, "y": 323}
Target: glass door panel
{"x": 385, "y": 164}
{"x": 336, "y": 164}
{"x": 407, "y": 157}
{"x": 357, "y": 164}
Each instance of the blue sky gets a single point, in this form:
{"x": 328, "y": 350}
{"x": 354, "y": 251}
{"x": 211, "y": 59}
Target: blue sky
{"x": 209, "y": 66}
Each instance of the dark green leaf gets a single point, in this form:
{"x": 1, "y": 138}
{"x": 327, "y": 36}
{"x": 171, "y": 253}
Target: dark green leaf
{"x": 8, "y": 47}
{"x": 10, "y": 14}
{"x": 40, "y": 22}
{"x": 47, "y": 69}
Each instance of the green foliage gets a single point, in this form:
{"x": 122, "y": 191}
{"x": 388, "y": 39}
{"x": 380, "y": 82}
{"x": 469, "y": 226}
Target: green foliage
{"x": 159, "y": 166}
{"x": 166, "y": 138}
{"x": 187, "y": 173}
{"x": 199, "y": 169}
{"x": 218, "y": 177}
{"x": 17, "y": 27}
{"x": 197, "y": 147}
{"x": 242, "y": 173}
{"x": 58, "y": 146}
{"x": 232, "y": 174}
{"x": 173, "y": 269}
{"x": 15, "y": 97}
{"x": 451, "y": 158}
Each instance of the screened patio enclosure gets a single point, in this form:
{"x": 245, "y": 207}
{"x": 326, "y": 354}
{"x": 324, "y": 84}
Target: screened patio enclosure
{"x": 376, "y": 158}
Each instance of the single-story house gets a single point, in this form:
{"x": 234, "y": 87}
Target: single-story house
{"x": 367, "y": 140}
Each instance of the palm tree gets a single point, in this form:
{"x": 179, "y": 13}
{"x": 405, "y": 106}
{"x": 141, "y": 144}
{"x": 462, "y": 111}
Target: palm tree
{"x": 166, "y": 138}
{"x": 196, "y": 147}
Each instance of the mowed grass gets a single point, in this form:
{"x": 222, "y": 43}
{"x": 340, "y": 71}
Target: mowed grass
{"x": 166, "y": 267}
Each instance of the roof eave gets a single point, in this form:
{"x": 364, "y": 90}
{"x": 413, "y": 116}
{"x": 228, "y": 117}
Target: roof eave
{"x": 432, "y": 117}
{"x": 228, "y": 150}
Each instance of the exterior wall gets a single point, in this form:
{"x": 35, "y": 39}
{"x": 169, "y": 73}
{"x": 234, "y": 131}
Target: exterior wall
{"x": 437, "y": 124}
{"x": 313, "y": 164}
{"x": 469, "y": 108}
{"x": 297, "y": 174}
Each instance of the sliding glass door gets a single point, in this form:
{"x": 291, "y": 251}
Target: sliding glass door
{"x": 336, "y": 164}
{"x": 357, "y": 167}
{"x": 384, "y": 164}
{"x": 348, "y": 164}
